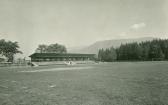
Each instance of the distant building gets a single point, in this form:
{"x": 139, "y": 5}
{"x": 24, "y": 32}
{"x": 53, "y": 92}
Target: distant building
{"x": 42, "y": 57}
{"x": 3, "y": 58}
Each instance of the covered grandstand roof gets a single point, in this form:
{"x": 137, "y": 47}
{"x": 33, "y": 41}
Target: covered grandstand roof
{"x": 60, "y": 55}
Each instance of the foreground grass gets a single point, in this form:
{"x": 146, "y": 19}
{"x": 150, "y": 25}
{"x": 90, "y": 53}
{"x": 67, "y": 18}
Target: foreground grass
{"x": 124, "y": 83}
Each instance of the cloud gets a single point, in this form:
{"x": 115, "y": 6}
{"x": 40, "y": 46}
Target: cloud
{"x": 132, "y": 29}
{"x": 138, "y": 25}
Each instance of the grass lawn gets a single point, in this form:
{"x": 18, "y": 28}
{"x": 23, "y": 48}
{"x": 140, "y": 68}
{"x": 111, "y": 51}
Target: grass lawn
{"x": 117, "y": 83}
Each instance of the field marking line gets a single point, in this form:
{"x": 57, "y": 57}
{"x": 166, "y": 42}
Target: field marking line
{"x": 59, "y": 69}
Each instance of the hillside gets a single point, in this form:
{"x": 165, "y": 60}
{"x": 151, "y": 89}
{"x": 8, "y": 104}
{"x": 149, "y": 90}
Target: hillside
{"x": 106, "y": 44}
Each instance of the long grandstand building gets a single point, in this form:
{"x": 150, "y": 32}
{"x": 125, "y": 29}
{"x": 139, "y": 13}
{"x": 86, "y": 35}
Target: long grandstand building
{"x": 46, "y": 57}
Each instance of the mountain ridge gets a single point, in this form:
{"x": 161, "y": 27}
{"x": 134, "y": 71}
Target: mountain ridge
{"x": 94, "y": 48}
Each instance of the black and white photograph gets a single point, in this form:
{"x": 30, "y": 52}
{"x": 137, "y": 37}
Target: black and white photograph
{"x": 83, "y": 52}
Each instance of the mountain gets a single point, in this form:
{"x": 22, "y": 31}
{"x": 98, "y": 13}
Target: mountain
{"x": 94, "y": 48}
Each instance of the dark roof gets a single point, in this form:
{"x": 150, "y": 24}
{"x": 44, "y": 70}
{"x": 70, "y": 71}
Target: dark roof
{"x": 61, "y": 55}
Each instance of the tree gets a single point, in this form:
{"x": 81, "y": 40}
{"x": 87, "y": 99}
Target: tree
{"x": 135, "y": 52}
{"x": 145, "y": 50}
{"x": 56, "y": 48}
{"x": 107, "y": 55}
{"x": 9, "y": 49}
{"x": 42, "y": 48}
{"x": 164, "y": 47}
{"x": 52, "y": 48}
{"x": 112, "y": 56}
{"x": 155, "y": 52}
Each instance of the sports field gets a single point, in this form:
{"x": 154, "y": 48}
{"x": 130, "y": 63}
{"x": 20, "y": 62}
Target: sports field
{"x": 117, "y": 83}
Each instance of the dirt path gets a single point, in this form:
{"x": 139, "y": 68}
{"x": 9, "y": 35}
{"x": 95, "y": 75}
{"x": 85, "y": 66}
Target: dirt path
{"x": 59, "y": 69}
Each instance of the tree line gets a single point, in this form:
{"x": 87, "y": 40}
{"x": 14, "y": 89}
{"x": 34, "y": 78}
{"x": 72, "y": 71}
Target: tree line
{"x": 156, "y": 49}
{"x": 52, "y": 48}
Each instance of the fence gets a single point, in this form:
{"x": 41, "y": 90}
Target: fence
{"x": 8, "y": 64}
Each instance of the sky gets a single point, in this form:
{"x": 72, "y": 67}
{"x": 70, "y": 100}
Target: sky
{"x": 80, "y": 22}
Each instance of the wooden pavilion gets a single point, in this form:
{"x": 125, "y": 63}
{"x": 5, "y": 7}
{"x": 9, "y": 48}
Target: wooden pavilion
{"x": 42, "y": 57}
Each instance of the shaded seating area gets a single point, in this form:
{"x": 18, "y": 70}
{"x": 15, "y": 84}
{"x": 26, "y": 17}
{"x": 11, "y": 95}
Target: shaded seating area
{"x": 46, "y": 57}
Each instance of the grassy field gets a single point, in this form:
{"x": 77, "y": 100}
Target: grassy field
{"x": 124, "y": 83}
